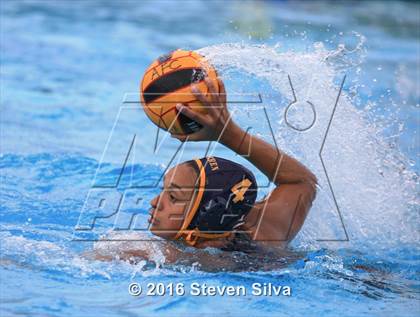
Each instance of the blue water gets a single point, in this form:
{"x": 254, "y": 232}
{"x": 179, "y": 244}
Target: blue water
{"x": 69, "y": 78}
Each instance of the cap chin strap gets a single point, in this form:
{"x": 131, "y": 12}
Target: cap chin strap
{"x": 191, "y": 236}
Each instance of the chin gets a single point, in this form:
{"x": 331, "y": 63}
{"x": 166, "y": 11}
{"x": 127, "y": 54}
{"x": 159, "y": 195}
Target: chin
{"x": 161, "y": 233}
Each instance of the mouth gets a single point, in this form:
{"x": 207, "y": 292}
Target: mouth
{"x": 152, "y": 220}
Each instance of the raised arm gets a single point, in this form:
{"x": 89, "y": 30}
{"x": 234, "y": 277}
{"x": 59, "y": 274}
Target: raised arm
{"x": 279, "y": 167}
{"x": 288, "y": 204}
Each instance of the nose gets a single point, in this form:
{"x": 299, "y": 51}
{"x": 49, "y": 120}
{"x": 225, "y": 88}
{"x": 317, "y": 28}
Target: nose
{"x": 154, "y": 201}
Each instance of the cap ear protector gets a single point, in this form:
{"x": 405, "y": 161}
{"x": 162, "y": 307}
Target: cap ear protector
{"x": 211, "y": 215}
{"x": 226, "y": 193}
{"x": 219, "y": 215}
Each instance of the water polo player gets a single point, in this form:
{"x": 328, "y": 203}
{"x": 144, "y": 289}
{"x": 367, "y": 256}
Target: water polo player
{"x": 211, "y": 201}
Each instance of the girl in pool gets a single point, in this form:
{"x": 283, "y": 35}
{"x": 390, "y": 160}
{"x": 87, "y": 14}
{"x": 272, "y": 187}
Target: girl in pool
{"x": 210, "y": 202}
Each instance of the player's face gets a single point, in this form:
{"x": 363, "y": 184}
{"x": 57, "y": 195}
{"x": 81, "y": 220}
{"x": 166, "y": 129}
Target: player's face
{"x": 170, "y": 206}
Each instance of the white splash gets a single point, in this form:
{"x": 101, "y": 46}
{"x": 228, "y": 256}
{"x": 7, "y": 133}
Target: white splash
{"x": 372, "y": 181}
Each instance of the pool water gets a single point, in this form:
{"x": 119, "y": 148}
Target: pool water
{"x": 70, "y": 73}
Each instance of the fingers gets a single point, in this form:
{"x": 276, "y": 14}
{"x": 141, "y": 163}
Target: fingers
{"x": 210, "y": 104}
{"x": 222, "y": 93}
{"x": 200, "y": 118}
{"x": 212, "y": 89}
{"x": 217, "y": 96}
{"x": 221, "y": 85}
{"x": 199, "y": 95}
{"x": 212, "y": 92}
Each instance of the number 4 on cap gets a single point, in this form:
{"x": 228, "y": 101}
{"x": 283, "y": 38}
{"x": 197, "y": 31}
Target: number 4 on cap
{"x": 240, "y": 189}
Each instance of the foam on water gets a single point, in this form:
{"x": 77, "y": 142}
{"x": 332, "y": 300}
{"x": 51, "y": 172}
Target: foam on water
{"x": 371, "y": 180}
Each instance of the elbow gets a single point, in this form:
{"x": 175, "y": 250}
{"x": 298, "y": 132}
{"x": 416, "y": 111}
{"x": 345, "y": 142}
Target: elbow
{"x": 314, "y": 189}
{"x": 312, "y": 179}
{"x": 312, "y": 186}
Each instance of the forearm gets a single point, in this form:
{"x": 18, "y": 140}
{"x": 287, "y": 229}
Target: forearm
{"x": 279, "y": 167}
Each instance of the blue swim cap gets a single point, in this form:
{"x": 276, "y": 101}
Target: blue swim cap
{"x": 226, "y": 192}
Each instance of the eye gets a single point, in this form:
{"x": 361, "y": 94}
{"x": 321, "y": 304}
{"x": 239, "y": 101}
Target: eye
{"x": 172, "y": 197}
